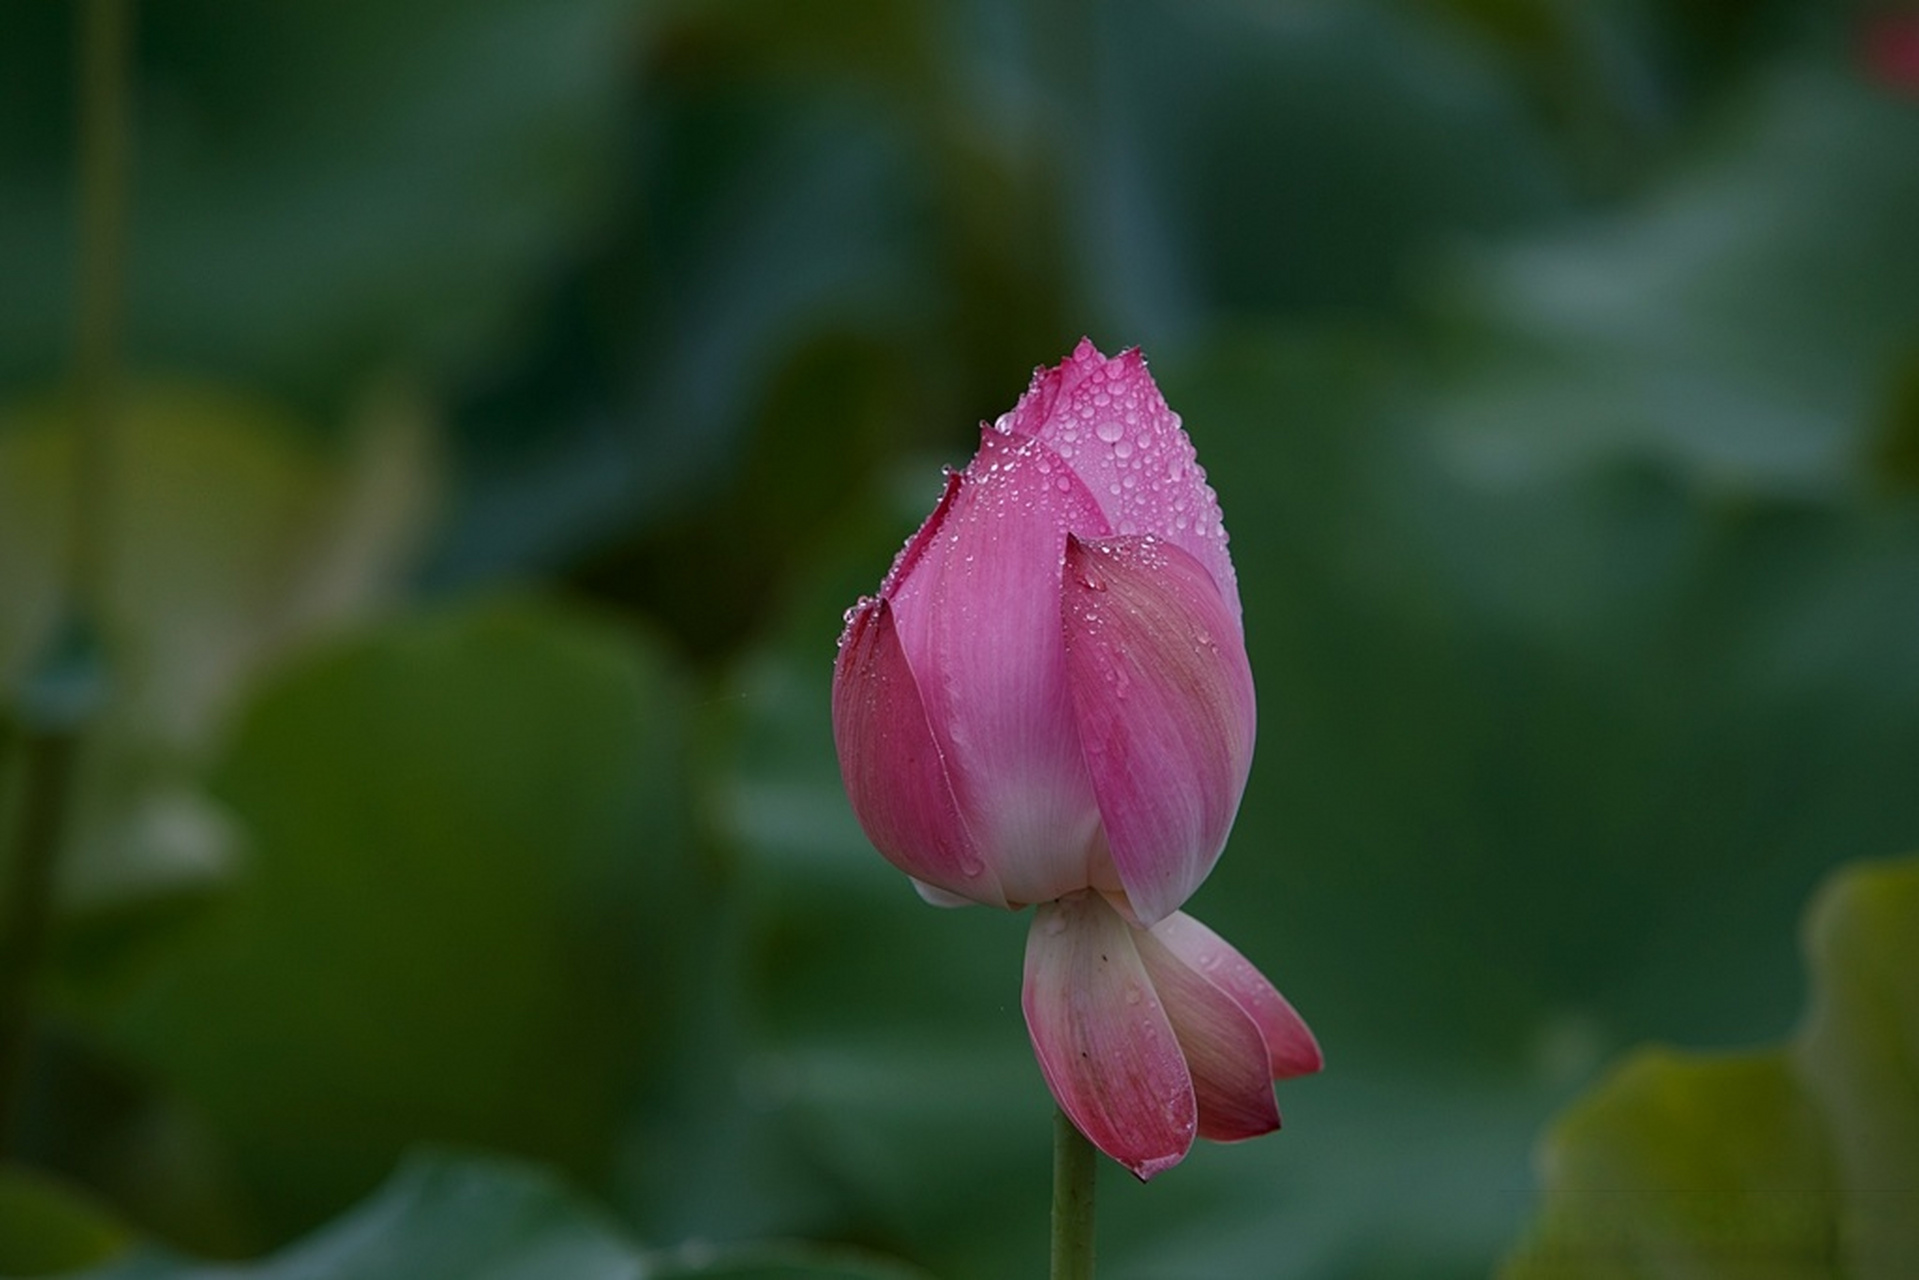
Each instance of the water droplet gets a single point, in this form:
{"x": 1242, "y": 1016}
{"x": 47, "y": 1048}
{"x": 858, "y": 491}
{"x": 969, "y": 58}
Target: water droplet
{"x": 1133, "y": 995}
{"x": 1109, "y": 431}
{"x": 972, "y": 868}
{"x": 1054, "y": 925}
{"x": 1123, "y": 448}
{"x": 1063, "y": 485}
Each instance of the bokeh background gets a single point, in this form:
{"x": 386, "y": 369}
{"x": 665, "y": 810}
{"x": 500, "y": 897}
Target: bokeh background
{"x": 522, "y": 388}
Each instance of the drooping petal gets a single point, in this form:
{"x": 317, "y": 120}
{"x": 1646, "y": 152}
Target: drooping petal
{"x": 977, "y": 605}
{"x": 1104, "y": 1042}
{"x": 1290, "y": 1046}
{"x": 1164, "y": 699}
{"x": 1109, "y": 421}
{"x": 1224, "y": 1050}
{"x": 892, "y": 766}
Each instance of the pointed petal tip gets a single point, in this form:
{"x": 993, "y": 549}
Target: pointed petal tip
{"x": 934, "y": 896}
{"x": 915, "y": 546}
{"x": 1299, "y": 1056}
{"x": 1147, "y": 1170}
{"x": 1268, "y": 1123}
{"x": 1290, "y": 1044}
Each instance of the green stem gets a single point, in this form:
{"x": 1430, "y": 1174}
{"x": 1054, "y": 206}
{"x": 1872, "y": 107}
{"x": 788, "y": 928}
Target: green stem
{"x": 105, "y": 45}
{"x": 62, "y": 694}
{"x": 1075, "y": 1166}
{"x": 46, "y": 782}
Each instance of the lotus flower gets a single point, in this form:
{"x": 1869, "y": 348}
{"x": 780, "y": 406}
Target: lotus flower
{"x": 1049, "y": 702}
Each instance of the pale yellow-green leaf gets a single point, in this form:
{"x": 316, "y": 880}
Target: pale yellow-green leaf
{"x": 1797, "y": 1163}
{"x": 1859, "y": 1056}
{"x": 231, "y": 536}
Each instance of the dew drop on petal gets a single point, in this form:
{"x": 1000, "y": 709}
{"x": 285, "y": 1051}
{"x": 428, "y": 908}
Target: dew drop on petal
{"x": 1109, "y": 431}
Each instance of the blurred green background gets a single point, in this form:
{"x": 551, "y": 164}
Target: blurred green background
{"x": 522, "y": 388}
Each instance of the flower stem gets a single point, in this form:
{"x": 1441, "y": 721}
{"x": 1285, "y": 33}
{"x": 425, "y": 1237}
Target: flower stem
{"x": 1075, "y": 1166}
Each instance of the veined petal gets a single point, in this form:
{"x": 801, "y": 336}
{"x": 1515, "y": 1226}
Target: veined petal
{"x": 977, "y": 604}
{"x": 1164, "y": 700}
{"x": 1108, "y": 419}
{"x": 1290, "y": 1046}
{"x": 1103, "y": 1040}
{"x": 892, "y": 766}
{"x": 1223, "y": 1048}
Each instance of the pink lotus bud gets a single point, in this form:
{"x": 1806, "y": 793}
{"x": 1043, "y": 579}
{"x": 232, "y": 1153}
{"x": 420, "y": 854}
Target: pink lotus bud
{"x": 1050, "y": 691}
{"x": 1149, "y": 1037}
{"x": 1049, "y": 702}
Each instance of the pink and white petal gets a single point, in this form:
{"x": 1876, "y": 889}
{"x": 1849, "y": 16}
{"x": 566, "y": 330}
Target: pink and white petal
{"x": 934, "y": 896}
{"x": 1164, "y": 699}
{"x": 1104, "y": 1042}
{"x": 1223, "y": 1048}
{"x": 1290, "y": 1044}
{"x": 892, "y": 766}
{"x": 977, "y": 604}
{"x": 1108, "y": 419}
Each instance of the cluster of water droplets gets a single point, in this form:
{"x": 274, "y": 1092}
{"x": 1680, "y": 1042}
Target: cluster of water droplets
{"x": 1109, "y": 425}
{"x": 859, "y": 606}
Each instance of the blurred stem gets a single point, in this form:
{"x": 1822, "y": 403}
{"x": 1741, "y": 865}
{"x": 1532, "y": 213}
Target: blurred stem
{"x": 46, "y": 782}
{"x": 104, "y": 129}
{"x": 62, "y": 692}
{"x": 1075, "y": 1166}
